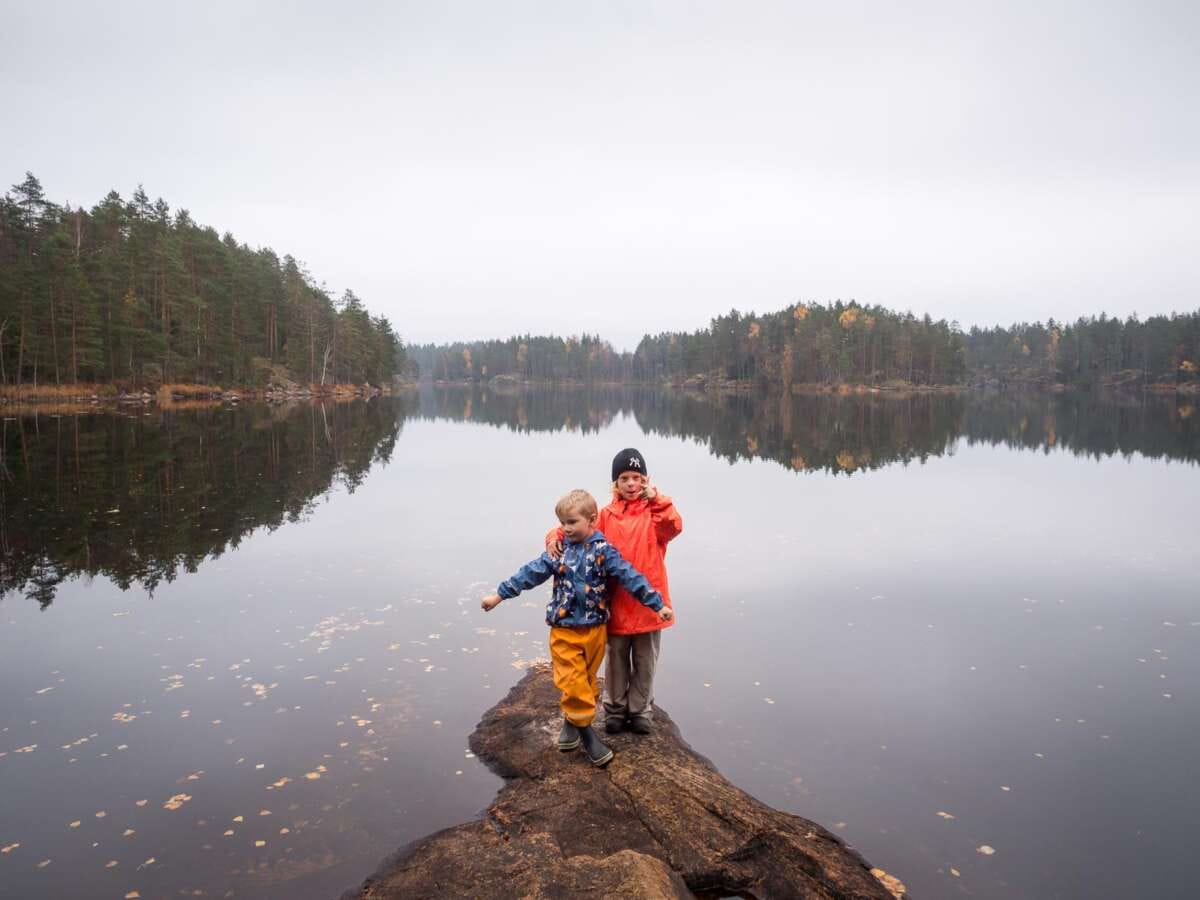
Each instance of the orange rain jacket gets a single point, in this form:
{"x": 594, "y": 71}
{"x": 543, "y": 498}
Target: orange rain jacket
{"x": 640, "y": 530}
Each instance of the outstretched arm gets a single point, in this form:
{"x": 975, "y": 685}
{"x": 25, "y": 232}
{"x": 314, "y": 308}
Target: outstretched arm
{"x": 528, "y": 576}
{"x": 615, "y": 566}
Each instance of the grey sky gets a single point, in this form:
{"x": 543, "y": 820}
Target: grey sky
{"x": 481, "y": 169}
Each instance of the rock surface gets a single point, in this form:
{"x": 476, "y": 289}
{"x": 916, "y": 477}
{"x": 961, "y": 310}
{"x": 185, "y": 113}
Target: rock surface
{"x": 659, "y": 821}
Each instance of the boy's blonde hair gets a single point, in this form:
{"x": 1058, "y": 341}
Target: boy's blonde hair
{"x": 576, "y": 501}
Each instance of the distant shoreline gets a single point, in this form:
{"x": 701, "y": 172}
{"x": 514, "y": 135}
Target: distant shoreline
{"x": 177, "y": 396}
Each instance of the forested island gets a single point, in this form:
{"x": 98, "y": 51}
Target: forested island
{"x": 129, "y": 295}
{"x": 846, "y": 343}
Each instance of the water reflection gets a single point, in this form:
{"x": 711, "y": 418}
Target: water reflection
{"x": 846, "y": 433}
{"x": 141, "y": 496}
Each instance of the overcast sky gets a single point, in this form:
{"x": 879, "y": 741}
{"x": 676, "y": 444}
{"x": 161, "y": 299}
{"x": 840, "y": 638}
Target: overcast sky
{"x": 482, "y": 169}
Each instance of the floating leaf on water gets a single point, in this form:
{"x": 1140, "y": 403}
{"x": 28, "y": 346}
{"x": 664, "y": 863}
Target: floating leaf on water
{"x": 955, "y": 872}
{"x": 101, "y": 814}
{"x": 148, "y": 862}
{"x": 111, "y": 864}
{"x": 894, "y": 885}
{"x": 312, "y": 776}
{"x": 264, "y": 812}
{"x": 74, "y": 824}
{"x": 10, "y": 848}
{"x": 945, "y": 815}
{"x": 238, "y": 819}
{"x": 985, "y": 850}
{"x": 176, "y": 801}
{"x": 132, "y": 895}
{"x": 127, "y": 832}
{"x": 141, "y": 802}
{"x": 1005, "y": 787}
{"x": 228, "y": 832}
{"x": 43, "y": 864}
{"x": 260, "y": 843}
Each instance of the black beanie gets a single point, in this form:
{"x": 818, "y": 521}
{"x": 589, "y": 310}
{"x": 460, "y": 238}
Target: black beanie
{"x": 629, "y": 460}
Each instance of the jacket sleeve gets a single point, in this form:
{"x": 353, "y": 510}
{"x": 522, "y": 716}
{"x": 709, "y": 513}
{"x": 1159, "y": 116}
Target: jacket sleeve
{"x": 528, "y": 576}
{"x": 667, "y": 521}
{"x": 615, "y": 566}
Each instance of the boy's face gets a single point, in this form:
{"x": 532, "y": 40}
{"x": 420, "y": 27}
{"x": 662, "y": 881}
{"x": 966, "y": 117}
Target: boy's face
{"x": 630, "y": 485}
{"x": 578, "y": 526}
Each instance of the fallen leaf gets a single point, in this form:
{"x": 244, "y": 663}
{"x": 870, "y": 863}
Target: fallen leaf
{"x": 985, "y": 850}
{"x": 945, "y": 815}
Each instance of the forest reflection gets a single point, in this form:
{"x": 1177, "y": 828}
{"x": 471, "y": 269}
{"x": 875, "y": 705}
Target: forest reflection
{"x": 846, "y": 433}
{"x": 140, "y": 496}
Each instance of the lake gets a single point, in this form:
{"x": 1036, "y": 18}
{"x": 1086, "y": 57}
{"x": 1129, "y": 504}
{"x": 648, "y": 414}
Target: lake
{"x": 241, "y": 649}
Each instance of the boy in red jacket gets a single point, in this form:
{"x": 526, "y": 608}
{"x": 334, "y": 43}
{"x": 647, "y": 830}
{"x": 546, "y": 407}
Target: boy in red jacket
{"x": 639, "y": 522}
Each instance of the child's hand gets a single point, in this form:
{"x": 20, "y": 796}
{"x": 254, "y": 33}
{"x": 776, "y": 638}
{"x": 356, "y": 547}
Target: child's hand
{"x": 649, "y": 492}
{"x": 490, "y": 602}
{"x": 554, "y": 547}
{"x": 666, "y": 614}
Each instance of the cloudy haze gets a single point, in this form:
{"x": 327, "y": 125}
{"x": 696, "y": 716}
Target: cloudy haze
{"x": 482, "y": 169}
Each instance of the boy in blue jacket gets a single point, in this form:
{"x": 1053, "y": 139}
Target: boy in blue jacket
{"x": 577, "y": 613}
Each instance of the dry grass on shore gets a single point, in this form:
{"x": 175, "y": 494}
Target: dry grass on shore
{"x": 18, "y": 393}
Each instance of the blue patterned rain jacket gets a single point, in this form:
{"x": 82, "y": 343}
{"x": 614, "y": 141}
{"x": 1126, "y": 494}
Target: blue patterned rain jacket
{"x": 580, "y": 595}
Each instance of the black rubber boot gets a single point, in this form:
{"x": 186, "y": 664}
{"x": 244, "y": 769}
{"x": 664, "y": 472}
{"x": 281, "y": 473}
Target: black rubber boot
{"x": 568, "y": 738}
{"x": 614, "y": 724}
{"x": 597, "y": 753}
{"x": 640, "y": 725}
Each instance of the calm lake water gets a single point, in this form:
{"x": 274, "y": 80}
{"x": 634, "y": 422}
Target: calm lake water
{"x": 241, "y": 649}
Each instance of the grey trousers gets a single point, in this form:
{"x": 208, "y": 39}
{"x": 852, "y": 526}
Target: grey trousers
{"x": 629, "y": 674}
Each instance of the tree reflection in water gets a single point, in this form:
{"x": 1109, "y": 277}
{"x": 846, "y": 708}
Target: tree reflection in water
{"x": 137, "y": 496}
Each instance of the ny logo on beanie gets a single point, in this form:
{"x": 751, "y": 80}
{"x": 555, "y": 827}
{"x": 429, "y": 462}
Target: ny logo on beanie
{"x": 629, "y": 460}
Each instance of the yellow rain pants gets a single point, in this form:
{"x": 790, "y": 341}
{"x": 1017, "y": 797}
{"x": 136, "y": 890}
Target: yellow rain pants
{"x": 576, "y": 654}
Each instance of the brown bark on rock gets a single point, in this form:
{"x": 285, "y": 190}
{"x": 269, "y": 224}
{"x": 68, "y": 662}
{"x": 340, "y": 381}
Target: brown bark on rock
{"x": 658, "y": 821}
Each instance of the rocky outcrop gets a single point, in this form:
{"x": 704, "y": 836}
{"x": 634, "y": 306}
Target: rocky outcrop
{"x": 658, "y": 821}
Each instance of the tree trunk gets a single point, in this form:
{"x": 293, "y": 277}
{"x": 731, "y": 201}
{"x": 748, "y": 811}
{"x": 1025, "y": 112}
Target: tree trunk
{"x": 54, "y": 337}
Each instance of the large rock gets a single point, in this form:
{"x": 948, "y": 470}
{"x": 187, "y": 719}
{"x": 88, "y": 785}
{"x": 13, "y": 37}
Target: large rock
{"x": 659, "y": 821}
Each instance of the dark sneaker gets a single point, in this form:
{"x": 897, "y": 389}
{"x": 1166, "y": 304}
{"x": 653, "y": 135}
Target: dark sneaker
{"x": 597, "y": 753}
{"x": 640, "y": 725}
{"x": 568, "y": 738}
{"x": 614, "y": 724}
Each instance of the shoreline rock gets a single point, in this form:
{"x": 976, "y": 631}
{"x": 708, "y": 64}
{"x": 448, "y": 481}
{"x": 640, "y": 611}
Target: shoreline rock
{"x": 658, "y": 821}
